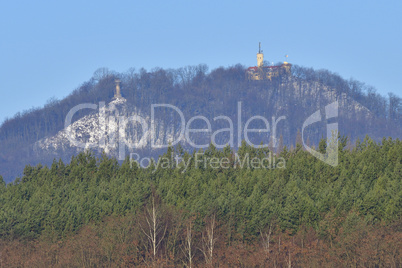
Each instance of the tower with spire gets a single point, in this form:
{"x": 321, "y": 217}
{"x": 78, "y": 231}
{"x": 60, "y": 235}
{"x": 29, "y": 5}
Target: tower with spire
{"x": 261, "y": 72}
{"x": 260, "y": 56}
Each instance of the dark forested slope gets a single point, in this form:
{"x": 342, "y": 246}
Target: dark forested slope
{"x": 195, "y": 91}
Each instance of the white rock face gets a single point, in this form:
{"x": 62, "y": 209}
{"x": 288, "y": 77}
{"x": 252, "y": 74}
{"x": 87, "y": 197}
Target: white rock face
{"x": 116, "y": 129}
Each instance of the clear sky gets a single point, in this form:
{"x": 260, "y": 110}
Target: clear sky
{"x": 49, "y": 48}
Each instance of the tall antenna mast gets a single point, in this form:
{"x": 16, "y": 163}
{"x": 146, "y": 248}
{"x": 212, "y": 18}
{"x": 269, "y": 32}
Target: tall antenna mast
{"x": 259, "y": 47}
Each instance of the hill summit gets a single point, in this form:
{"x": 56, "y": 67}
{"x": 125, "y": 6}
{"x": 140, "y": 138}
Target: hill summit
{"x": 157, "y": 105}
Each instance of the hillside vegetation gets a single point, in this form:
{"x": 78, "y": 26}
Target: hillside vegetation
{"x": 300, "y": 212}
{"x": 197, "y": 91}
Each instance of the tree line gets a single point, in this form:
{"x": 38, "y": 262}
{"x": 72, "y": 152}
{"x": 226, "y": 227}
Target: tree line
{"x": 95, "y": 211}
{"x": 196, "y": 90}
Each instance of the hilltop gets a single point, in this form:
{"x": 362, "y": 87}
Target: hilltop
{"x": 38, "y": 135}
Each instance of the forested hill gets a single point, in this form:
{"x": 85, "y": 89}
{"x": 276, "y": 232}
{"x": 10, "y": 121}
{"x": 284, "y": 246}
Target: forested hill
{"x": 197, "y": 91}
{"x": 299, "y": 212}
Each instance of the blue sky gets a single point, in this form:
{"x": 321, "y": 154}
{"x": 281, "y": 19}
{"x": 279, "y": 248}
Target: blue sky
{"x": 49, "y": 48}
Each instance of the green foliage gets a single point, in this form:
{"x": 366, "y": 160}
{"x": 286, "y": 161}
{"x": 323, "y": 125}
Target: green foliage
{"x": 306, "y": 192}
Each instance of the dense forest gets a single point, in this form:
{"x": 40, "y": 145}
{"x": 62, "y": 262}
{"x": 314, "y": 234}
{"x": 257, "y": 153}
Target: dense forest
{"x": 196, "y": 90}
{"x": 184, "y": 210}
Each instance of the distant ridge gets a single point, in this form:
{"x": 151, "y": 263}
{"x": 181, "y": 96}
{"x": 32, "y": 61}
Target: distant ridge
{"x": 36, "y": 136}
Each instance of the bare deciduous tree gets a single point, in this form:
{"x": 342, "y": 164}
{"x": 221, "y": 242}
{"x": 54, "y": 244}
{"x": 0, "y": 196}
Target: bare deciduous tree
{"x": 266, "y": 239}
{"x": 102, "y": 73}
{"x": 154, "y": 228}
{"x": 189, "y": 244}
{"x": 209, "y": 240}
